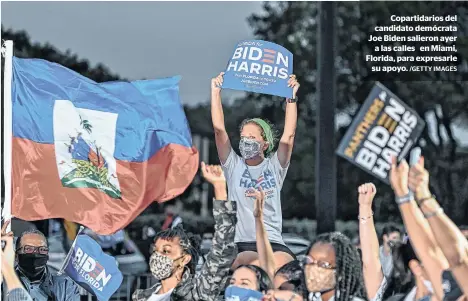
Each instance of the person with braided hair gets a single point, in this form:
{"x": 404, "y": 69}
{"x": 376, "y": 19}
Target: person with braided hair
{"x": 259, "y": 166}
{"x": 333, "y": 269}
{"x": 176, "y": 253}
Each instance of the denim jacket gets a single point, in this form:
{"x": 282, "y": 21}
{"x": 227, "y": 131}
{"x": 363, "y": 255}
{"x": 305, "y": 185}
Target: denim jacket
{"x": 18, "y": 294}
{"x": 51, "y": 288}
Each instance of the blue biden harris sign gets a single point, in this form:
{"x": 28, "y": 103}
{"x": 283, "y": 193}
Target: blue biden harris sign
{"x": 261, "y": 67}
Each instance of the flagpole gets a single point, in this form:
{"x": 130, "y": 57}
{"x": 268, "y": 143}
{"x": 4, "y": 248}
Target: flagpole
{"x": 7, "y": 51}
{"x": 7, "y": 130}
{"x": 67, "y": 259}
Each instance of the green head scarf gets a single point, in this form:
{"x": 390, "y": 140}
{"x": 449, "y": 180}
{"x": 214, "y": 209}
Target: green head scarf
{"x": 268, "y": 133}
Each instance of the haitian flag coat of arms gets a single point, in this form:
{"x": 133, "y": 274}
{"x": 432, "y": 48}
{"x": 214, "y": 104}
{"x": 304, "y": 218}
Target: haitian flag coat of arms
{"x": 95, "y": 153}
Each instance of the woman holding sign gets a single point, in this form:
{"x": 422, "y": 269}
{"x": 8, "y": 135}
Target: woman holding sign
{"x": 259, "y": 167}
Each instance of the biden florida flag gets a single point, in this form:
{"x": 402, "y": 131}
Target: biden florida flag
{"x": 92, "y": 269}
{"x": 95, "y": 153}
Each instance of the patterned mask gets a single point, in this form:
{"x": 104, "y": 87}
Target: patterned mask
{"x": 320, "y": 279}
{"x": 249, "y": 148}
{"x": 161, "y": 266}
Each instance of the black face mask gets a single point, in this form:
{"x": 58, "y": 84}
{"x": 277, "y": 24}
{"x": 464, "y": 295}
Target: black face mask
{"x": 32, "y": 265}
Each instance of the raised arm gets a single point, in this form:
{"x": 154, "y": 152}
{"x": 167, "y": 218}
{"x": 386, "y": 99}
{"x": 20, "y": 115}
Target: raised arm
{"x": 8, "y": 264}
{"x": 209, "y": 280}
{"x": 372, "y": 268}
{"x": 217, "y": 117}
{"x": 265, "y": 251}
{"x": 449, "y": 238}
{"x": 419, "y": 232}
{"x": 15, "y": 290}
{"x": 287, "y": 139}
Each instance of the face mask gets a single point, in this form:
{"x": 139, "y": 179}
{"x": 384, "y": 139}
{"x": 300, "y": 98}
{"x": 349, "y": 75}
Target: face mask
{"x": 234, "y": 293}
{"x": 320, "y": 279}
{"x": 161, "y": 266}
{"x": 32, "y": 265}
{"x": 249, "y": 148}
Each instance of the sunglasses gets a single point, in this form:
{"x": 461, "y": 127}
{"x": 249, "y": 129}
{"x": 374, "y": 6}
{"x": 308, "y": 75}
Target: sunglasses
{"x": 33, "y": 250}
{"x": 320, "y": 263}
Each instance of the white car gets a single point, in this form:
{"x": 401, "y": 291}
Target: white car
{"x": 297, "y": 244}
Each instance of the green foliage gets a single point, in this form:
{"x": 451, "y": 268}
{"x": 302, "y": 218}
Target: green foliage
{"x": 192, "y": 222}
{"x": 294, "y": 25}
{"x": 307, "y": 228}
{"x": 442, "y": 96}
{"x": 196, "y": 224}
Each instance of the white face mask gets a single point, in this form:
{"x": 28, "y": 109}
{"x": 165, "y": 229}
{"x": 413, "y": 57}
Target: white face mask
{"x": 249, "y": 148}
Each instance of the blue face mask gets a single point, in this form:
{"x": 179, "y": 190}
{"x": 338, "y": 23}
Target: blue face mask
{"x": 234, "y": 293}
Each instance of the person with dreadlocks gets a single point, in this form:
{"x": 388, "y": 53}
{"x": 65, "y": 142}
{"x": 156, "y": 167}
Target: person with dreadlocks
{"x": 333, "y": 270}
{"x": 176, "y": 253}
{"x": 258, "y": 167}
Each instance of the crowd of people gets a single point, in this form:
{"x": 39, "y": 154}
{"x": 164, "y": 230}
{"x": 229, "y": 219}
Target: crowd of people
{"x": 427, "y": 260}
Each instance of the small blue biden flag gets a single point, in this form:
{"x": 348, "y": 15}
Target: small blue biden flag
{"x": 92, "y": 269}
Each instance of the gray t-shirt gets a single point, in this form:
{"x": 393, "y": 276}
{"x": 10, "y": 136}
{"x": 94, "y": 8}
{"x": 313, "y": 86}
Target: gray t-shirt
{"x": 269, "y": 175}
{"x": 386, "y": 261}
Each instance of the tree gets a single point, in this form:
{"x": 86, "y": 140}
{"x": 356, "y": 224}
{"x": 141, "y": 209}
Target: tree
{"x": 294, "y": 25}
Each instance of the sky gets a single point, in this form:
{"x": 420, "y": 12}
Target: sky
{"x": 142, "y": 40}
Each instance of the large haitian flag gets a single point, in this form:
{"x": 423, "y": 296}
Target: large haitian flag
{"x": 95, "y": 154}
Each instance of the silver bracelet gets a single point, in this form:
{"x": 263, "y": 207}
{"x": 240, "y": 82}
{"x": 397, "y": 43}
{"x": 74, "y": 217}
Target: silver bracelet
{"x": 440, "y": 210}
{"x": 404, "y": 199}
{"x": 363, "y": 220}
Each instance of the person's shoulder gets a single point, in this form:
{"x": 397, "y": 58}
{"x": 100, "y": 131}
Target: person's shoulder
{"x": 145, "y": 294}
{"x": 273, "y": 158}
{"x": 18, "y": 294}
{"x": 232, "y": 159}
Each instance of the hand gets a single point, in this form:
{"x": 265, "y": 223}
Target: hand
{"x": 418, "y": 180}
{"x": 217, "y": 82}
{"x": 420, "y": 279}
{"x": 4, "y": 228}
{"x": 366, "y": 194}
{"x": 8, "y": 254}
{"x": 213, "y": 174}
{"x": 399, "y": 177}
{"x": 292, "y": 82}
{"x": 259, "y": 196}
